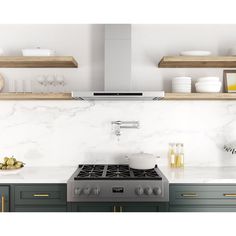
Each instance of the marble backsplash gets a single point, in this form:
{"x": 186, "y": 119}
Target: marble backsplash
{"x": 61, "y": 133}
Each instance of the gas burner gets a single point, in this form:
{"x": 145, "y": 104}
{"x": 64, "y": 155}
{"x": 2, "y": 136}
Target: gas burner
{"x": 120, "y": 168}
{"x": 118, "y": 171}
{"x": 90, "y": 171}
{"x": 146, "y": 174}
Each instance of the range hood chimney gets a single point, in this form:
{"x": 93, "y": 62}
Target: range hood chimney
{"x": 117, "y": 69}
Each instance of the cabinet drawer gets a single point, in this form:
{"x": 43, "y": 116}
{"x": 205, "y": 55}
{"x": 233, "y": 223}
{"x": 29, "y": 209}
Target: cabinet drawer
{"x": 202, "y": 194}
{"x": 202, "y": 209}
{"x": 40, "y": 209}
{"x": 40, "y": 194}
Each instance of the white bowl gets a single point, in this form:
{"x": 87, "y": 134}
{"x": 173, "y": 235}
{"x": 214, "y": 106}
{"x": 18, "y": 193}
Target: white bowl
{"x": 181, "y": 89}
{"x": 218, "y": 83}
{"x": 182, "y": 79}
{"x": 208, "y": 79}
{"x": 195, "y": 53}
{"x": 181, "y": 86}
{"x": 180, "y": 83}
{"x": 38, "y": 52}
{"x": 207, "y": 88}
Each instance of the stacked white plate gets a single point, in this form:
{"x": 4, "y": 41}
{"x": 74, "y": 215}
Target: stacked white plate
{"x": 181, "y": 84}
{"x": 208, "y": 84}
{"x": 195, "y": 53}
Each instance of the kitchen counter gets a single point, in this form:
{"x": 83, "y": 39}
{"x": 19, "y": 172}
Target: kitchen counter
{"x": 38, "y": 175}
{"x": 201, "y": 175}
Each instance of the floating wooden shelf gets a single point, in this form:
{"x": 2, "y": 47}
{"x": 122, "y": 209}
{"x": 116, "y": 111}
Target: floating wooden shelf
{"x": 38, "y": 62}
{"x": 200, "y": 96}
{"x": 67, "y": 96}
{"x": 35, "y": 96}
{"x": 198, "y": 62}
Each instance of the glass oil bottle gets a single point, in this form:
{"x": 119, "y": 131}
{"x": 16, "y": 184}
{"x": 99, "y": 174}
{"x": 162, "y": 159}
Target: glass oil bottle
{"x": 171, "y": 155}
{"x": 179, "y": 158}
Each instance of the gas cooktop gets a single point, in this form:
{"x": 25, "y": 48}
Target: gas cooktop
{"x": 104, "y": 183}
{"x": 98, "y": 172}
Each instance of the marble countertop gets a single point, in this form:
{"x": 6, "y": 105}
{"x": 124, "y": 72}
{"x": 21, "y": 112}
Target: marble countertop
{"x": 211, "y": 175}
{"x": 38, "y": 175}
{"x": 220, "y": 175}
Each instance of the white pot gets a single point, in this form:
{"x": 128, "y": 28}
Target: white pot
{"x": 142, "y": 161}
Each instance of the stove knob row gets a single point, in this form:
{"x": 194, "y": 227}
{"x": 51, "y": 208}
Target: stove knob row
{"x": 87, "y": 191}
{"x": 148, "y": 191}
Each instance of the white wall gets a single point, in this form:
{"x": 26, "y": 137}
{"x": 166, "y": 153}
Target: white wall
{"x": 69, "y": 132}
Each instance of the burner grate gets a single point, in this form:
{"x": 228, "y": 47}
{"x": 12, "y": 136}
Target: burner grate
{"x": 118, "y": 171}
{"x": 90, "y": 171}
{"x": 146, "y": 174}
{"x": 115, "y": 172}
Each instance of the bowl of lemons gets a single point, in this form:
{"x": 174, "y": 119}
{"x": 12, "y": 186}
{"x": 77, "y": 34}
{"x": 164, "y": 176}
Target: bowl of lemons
{"x": 10, "y": 165}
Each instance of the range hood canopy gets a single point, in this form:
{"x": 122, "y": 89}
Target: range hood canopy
{"x": 118, "y": 69}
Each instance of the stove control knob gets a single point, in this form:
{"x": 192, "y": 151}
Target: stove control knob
{"x": 77, "y": 191}
{"x": 157, "y": 191}
{"x": 148, "y": 191}
{"x": 86, "y": 191}
{"x": 139, "y": 191}
{"x": 96, "y": 191}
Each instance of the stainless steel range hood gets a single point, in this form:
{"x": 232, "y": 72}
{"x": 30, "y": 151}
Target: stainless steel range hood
{"x": 118, "y": 69}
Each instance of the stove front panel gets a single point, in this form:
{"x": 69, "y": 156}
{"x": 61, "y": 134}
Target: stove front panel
{"x": 117, "y": 190}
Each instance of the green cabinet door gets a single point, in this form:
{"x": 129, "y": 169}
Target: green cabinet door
{"x": 202, "y": 198}
{"x": 91, "y": 207}
{"x": 4, "y": 199}
{"x": 39, "y": 198}
{"x": 143, "y": 207}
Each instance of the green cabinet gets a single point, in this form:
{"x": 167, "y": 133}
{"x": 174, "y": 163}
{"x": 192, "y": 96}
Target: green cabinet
{"x": 39, "y": 198}
{"x": 4, "y": 199}
{"x": 118, "y": 207}
{"x": 202, "y": 198}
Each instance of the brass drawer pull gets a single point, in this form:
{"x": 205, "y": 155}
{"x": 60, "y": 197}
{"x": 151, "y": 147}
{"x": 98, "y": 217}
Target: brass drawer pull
{"x": 229, "y": 194}
{"x": 114, "y": 208}
{"x": 3, "y": 203}
{"x": 41, "y": 195}
{"x": 189, "y": 195}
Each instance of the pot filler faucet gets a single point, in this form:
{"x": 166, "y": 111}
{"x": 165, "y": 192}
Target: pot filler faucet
{"x": 124, "y": 125}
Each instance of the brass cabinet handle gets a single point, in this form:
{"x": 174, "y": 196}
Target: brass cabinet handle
{"x": 41, "y": 195}
{"x": 189, "y": 195}
{"x": 229, "y": 194}
{"x": 114, "y": 208}
{"x": 121, "y": 209}
{"x": 3, "y": 202}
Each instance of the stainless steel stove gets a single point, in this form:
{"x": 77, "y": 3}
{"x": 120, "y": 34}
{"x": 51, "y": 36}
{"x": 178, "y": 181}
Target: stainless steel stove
{"x": 104, "y": 183}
